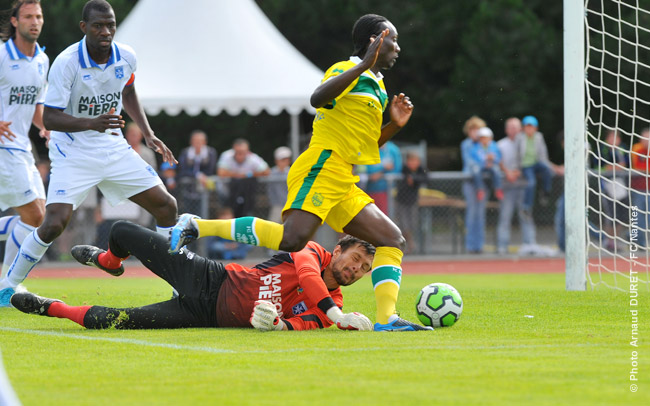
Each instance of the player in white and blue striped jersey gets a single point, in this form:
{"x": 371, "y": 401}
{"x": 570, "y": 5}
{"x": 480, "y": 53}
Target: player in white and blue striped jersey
{"x": 23, "y": 75}
{"x": 89, "y": 83}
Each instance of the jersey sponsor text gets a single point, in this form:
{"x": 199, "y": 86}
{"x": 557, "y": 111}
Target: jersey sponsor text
{"x": 97, "y": 105}
{"x": 271, "y": 291}
{"x": 23, "y": 94}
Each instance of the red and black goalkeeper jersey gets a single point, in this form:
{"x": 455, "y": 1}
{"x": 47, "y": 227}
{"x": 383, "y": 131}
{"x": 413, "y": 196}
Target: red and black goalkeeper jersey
{"x": 293, "y": 281}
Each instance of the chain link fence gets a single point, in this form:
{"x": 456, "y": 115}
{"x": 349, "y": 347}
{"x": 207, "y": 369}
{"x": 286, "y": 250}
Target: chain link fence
{"x": 439, "y": 215}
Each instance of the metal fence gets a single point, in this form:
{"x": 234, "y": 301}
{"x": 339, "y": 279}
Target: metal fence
{"x": 440, "y": 211}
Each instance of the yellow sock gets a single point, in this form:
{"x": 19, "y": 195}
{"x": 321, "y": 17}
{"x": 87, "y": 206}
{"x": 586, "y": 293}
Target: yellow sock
{"x": 386, "y": 279}
{"x": 248, "y": 230}
{"x": 215, "y": 228}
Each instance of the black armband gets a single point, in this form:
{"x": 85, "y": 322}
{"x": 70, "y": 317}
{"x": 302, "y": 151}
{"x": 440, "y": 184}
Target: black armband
{"x": 326, "y": 304}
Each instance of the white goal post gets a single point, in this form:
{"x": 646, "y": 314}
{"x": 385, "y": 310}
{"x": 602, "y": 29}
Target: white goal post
{"x": 574, "y": 145}
{"x": 606, "y": 121}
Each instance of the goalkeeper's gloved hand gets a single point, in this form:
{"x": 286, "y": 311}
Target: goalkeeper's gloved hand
{"x": 349, "y": 321}
{"x": 265, "y": 317}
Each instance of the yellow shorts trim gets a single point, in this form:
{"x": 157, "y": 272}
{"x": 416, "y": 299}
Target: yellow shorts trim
{"x": 322, "y": 183}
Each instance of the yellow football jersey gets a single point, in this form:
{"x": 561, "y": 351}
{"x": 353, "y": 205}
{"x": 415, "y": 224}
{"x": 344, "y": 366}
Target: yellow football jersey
{"x": 351, "y": 123}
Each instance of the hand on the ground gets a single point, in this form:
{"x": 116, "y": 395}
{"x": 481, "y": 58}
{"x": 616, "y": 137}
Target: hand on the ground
{"x": 354, "y": 321}
{"x": 265, "y": 317}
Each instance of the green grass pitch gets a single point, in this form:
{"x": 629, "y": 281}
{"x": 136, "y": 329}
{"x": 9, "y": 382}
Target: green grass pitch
{"x": 575, "y": 349}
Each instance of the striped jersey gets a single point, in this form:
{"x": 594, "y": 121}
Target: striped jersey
{"x": 292, "y": 281}
{"x": 351, "y": 123}
{"x": 22, "y": 87}
{"x": 82, "y": 88}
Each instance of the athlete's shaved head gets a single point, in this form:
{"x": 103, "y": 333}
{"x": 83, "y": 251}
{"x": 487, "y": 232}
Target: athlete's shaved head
{"x": 100, "y": 6}
{"x": 365, "y": 27}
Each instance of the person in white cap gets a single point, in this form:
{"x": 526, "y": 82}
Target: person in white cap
{"x": 276, "y": 189}
{"x": 533, "y": 161}
{"x": 487, "y": 157}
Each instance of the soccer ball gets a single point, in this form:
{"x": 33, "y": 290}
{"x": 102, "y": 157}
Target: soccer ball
{"x": 439, "y": 305}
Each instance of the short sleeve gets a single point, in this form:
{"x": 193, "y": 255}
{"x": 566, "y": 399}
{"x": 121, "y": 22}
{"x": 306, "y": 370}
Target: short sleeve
{"x": 41, "y": 95}
{"x": 60, "y": 81}
{"x": 336, "y": 70}
{"x": 260, "y": 164}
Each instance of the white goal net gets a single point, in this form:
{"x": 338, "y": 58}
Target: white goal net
{"x": 615, "y": 143}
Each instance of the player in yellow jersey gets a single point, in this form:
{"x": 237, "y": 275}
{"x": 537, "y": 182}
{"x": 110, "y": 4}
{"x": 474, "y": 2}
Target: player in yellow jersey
{"x": 348, "y": 130}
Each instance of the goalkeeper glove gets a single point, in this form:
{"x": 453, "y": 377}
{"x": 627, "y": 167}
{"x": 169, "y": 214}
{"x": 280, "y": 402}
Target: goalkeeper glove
{"x": 349, "y": 321}
{"x": 265, "y": 317}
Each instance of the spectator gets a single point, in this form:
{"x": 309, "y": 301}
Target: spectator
{"x": 533, "y": 160}
{"x": 276, "y": 189}
{"x": 487, "y": 157}
{"x": 195, "y": 164}
{"x": 168, "y": 175}
{"x": 475, "y": 211}
{"x": 612, "y": 162}
{"x": 134, "y": 138}
{"x": 513, "y": 191}
{"x": 377, "y": 186}
{"x": 407, "y": 198}
{"x": 639, "y": 192}
{"x": 243, "y": 167}
{"x": 220, "y": 248}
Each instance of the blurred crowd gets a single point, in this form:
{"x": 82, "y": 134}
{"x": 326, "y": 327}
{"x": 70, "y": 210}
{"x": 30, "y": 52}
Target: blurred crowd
{"x": 512, "y": 176}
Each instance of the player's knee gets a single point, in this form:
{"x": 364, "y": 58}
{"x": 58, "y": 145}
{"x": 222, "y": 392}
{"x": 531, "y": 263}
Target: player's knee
{"x": 395, "y": 240}
{"x": 293, "y": 243}
{"x": 166, "y": 210}
{"x": 34, "y": 216}
{"x": 51, "y": 229}
{"x": 121, "y": 227}
{"x": 401, "y": 242}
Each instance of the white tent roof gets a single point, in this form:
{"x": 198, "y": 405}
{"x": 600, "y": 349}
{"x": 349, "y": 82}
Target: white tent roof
{"x": 215, "y": 55}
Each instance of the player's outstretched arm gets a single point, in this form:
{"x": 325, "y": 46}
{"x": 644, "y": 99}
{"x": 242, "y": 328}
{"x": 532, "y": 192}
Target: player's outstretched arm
{"x": 57, "y": 120}
{"x": 5, "y": 132}
{"x": 400, "y": 110}
{"x": 349, "y": 321}
{"x": 334, "y": 86}
{"x": 136, "y": 112}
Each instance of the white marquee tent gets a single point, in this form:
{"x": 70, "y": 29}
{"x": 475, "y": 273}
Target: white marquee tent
{"x": 216, "y": 55}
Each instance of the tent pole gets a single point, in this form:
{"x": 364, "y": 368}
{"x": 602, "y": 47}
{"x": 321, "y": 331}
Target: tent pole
{"x": 294, "y": 137}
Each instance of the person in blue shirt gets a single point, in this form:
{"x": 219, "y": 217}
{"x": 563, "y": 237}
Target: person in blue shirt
{"x": 486, "y": 158}
{"x": 475, "y": 211}
{"x": 377, "y": 186}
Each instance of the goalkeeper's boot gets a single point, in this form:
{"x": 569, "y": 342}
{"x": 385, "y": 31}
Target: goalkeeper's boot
{"x": 5, "y": 296}
{"x": 184, "y": 232}
{"x": 396, "y": 323}
{"x": 30, "y": 303}
{"x": 89, "y": 255}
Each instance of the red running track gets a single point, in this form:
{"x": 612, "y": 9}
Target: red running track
{"x": 460, "y": 266}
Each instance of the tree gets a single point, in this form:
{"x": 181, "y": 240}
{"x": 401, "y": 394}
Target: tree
{"x": 495, "y": 59}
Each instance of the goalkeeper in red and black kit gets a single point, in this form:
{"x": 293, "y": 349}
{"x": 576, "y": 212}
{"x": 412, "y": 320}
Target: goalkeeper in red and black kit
{"x": 290, "y": 291}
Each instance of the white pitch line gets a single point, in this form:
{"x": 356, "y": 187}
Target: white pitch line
{"x": 122, "y": 340}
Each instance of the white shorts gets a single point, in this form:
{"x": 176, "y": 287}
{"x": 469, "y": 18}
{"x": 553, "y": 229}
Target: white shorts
{"x": 119, "y": 174}
{"x": 20, "y": 182}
